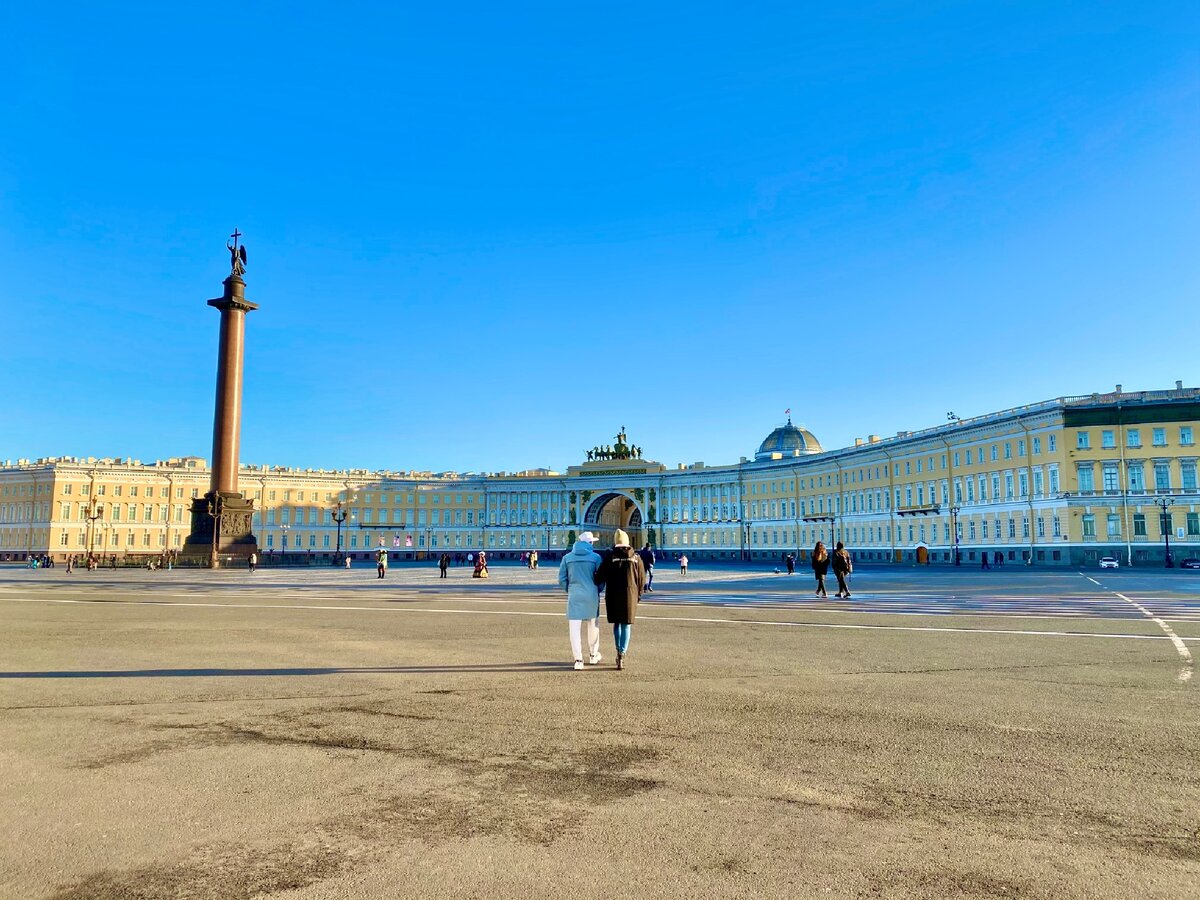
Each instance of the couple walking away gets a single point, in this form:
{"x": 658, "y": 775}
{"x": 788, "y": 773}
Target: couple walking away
{"x": 843, "y": 565}
{"x": 581, "y": 574}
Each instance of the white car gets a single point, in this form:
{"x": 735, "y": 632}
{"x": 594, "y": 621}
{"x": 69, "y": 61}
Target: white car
{"x": 1109, "y": 562}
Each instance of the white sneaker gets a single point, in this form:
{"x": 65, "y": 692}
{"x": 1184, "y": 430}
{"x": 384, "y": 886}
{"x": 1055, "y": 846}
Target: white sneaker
{"x": 595, "y": 660}
{"x": 578, "y": 665}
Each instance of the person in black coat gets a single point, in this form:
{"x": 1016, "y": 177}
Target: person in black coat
{"x": 820, "y": 566}
{"x": 623, "y": 578}
{"x": 646, "y": 555}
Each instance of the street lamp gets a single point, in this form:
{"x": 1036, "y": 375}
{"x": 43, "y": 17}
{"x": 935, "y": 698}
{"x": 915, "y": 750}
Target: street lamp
{"x": 1164, "y": 522}
{"x": 954, "y": 511}
{"x": 746, "y": 525}
{"x": 214, "y": 512}
{"x": 283, "y": 553}
{"x": 92, "y": 512}
{"x": 339, "y": 516}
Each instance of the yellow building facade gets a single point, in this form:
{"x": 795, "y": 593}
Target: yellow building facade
{"x": 1062, "y": 482}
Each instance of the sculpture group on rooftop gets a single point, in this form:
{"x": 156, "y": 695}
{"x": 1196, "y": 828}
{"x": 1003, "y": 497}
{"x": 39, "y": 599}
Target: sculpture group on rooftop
{"x": 620, "y": 450}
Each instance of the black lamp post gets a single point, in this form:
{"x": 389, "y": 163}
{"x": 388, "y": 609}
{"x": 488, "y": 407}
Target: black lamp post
{"x": 283, "y": 554}
{"x": 214, "y": 511}
{"x": 92, "y": 512}
{"x": 1164, "y": 522}
{"x": 954, "y": 511}
{"x": 339, "y": 516}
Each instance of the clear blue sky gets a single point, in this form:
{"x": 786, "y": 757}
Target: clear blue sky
{"x": 485, "y": 236}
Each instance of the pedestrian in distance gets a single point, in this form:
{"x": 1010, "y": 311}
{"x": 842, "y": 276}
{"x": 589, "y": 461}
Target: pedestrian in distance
{"x": 577, "y": 576}
{"x": 843, "y": 565}
{"x": 252, "y": 561}
{"x": 444, "y": 564}
{"x": 683, "y": 561}
{"x": 481, "y": 568}
{"x": 820, "y": 566}
{"x": 533, "y": 559}
{"x": 790, "y": 561}
{"x": 646, "y": 555}
{"x": 348, "y": 560}
{"x": 70, "y": 564}
{"x": 381, "y": 561}
{"x": 623, "y": 577}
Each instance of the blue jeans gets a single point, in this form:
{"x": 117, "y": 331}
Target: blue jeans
{"x": 621, "y": 637}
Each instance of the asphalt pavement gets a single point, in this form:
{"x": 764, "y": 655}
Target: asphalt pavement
{"x": 323, "y": 733}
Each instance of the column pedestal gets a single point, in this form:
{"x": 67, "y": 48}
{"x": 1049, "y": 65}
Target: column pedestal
{"x": 235, "y": 537}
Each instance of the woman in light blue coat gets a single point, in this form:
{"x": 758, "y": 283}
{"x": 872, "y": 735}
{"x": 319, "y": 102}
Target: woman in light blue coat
{"x": 576, "y": 575}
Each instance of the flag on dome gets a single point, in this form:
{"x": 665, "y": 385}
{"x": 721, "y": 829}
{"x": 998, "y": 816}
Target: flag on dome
{"x": 787, "y": 412}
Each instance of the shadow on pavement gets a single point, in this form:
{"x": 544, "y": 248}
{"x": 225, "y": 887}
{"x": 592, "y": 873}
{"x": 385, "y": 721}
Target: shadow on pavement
{"x": 338, "y": 670}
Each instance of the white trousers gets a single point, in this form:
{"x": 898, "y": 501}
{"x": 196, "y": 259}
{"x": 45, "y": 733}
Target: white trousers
{"x": 584, "y": 630}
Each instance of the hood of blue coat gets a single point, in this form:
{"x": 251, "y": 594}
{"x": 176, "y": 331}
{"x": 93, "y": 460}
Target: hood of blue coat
{"x": 582, "y": 550}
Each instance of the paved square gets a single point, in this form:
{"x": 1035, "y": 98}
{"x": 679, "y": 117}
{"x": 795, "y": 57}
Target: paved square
{"x": 304, "y": 733}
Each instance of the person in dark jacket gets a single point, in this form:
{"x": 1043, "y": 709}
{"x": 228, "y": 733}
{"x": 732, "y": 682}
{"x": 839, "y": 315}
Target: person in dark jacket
{"x": 790, "y": 562}
{"x": 843, "y": 565}
{"x": 820, "y": 565}
{"x": 646, "y": 555}
{"x": 623, "y": 577}
{"x": 443, "y": 564}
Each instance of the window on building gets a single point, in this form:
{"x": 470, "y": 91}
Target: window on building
{"x": 1089, "y": 526}
{"x": 1081, "y": 440}
{"x": 1137, "y": 479}
{"x": 1193, "y": 525}
{"x": 1162, "y": 476}
{"x": 1185, "y": 435}
{"x": 1114, "y": 525}
{"x": 1139, "y": 525}
{"x": 1008, "y": 449}
{"x": 1057, "y": 526}
{"x": 1187, "y": 470}
{"x": 1108, "y": 439}
{"x": 1112, "y": 478}
{"x": 1134, "y": 437}
{"x": 1159, "y": 437}
{"x": 1037, "y": 446}
{"x": 1086, "y": 482}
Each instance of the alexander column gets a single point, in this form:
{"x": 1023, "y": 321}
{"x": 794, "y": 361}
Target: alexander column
{"x": 223, "y": 505}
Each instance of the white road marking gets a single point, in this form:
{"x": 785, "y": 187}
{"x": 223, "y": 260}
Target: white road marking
{"x": 1189, "y": 664}
{"x": 694, "y": 619}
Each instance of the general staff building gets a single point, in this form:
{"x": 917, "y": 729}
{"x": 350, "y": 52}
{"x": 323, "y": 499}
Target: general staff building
{"x": 1057, "y": 483}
